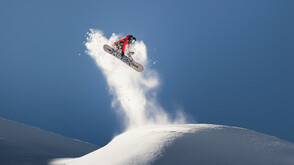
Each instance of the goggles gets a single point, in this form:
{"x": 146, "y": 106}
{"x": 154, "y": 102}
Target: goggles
{"x": 132, "y": 41}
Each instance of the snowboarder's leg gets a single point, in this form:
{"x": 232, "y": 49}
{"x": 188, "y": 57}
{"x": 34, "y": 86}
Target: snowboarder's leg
{"x": 130, "y": 55}
{"x": 116, "y": 47}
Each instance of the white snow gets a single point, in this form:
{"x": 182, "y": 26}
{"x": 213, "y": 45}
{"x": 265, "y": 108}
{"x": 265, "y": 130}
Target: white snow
{"x": 153, "y": 138}
{"x": 191, "y": 145}
{"x": 134, "y": 94}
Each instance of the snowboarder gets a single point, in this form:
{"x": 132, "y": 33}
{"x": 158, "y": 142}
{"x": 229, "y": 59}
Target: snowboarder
{"x": 118, "y": 51}
{"x": 122, "y": 43}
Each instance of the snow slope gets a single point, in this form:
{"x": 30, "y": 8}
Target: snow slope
{"x": 21, "y": 144}
{"x": 190, "y": 145}
{"x": 155, "y": 137}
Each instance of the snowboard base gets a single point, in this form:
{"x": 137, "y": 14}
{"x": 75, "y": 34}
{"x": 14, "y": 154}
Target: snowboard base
{"x": 132, "y": 63}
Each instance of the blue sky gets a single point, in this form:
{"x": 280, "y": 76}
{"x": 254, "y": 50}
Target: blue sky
{"x": 227, "y": 63}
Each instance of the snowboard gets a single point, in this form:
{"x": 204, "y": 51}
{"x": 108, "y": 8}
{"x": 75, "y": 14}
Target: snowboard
{"x": 132, "y": 63}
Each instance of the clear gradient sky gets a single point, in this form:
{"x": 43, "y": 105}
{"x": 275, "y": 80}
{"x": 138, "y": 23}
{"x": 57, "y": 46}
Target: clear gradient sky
{"x": 223, "y": 62}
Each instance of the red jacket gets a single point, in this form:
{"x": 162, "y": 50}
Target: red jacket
{"x": 126, "y": 42}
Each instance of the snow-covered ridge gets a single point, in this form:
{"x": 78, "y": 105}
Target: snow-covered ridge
{"x": 23, "y": 144}
{"x": 191, "y": 144}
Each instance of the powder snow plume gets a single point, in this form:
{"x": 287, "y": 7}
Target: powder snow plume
{"x": 134, "y": 93}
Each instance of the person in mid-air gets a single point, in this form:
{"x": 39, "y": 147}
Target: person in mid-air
{"x": 122, "y": 43}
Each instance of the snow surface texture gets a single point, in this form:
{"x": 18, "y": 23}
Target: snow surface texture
{"x": 21, "y": 144}
{"x": 191, "y": 145}
{"x": 134, "y": 93}
{"x": 152, "y": 137}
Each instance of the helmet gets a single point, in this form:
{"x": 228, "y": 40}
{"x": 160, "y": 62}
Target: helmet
{"x": 132, "y": 39}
